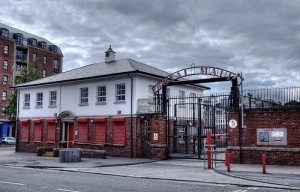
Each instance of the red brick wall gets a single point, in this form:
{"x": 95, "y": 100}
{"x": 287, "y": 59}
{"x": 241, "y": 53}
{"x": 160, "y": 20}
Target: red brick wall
{"x": 50, "y": 57}
{"x": 242, "y": 143}
{"x": 7, "y": 72}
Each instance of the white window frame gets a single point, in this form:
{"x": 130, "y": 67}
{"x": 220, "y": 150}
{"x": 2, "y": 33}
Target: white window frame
{"x": 44, "y": 72}
{"x": 55, "y": 64}
{"x": 34, "y": 56}
{"x": 84, "y": 96}
{"x": 5, "y": 64}
{"x": 101, "y": 94}
{"x": 120, "y": 92}
{"x": 4, "y": 95}
{"x": 26, "y": 100}
{"x": 39, "y": 99}
{"x": 45, "y": 59}
{"x": 5, "y": 79}
{"x": 5, "y": 49}
{"x": 52, "y": 98}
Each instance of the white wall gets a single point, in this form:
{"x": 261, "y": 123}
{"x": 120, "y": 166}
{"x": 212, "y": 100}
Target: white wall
{"x": 68, "y": 97}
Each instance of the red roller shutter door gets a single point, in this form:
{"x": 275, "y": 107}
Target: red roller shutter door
{"x": 37, "y": 134}
{"x": 119, "y": 131}
{"x": 100, "y": 130}
{"x": 25, "y": 130}
{"x": 51, "y": 128}
{"x": 82, "y": 125}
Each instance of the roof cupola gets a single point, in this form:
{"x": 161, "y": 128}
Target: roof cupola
{"x": 110, "y": 55}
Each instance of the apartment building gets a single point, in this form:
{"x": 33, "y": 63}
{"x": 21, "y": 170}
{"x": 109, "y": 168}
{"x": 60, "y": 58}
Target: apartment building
{"x": 18, "y": 49}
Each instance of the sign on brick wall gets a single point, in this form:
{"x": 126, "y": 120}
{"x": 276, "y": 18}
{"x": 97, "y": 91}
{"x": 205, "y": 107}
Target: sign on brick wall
{"x": 271, "y": 136}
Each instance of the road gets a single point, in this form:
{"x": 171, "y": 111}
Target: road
{"x": 14, "y": 179}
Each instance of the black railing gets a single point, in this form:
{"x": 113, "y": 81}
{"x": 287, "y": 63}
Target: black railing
{"x": 272, "y": 98}
{"x": 22, "y": 57}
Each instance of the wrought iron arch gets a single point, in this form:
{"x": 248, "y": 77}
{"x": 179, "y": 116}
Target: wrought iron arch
{"x": 221, "y": 74}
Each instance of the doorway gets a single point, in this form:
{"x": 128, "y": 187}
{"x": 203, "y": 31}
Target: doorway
{"x": 67, "y": 134}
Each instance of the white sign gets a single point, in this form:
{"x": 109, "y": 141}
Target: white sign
{"x": 232, "y": 123}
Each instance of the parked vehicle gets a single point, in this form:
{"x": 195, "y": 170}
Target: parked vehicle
{"x": 8, "y": 141}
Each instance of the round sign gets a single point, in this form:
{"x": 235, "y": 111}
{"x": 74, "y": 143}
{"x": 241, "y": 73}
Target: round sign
{"x": 232, "y": 123}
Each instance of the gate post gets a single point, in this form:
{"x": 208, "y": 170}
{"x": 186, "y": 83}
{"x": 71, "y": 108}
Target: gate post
{"x": 234, "y": 96}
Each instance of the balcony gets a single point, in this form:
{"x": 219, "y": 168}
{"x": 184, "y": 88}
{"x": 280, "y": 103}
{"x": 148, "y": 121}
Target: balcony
{"x": 21, "y": 58}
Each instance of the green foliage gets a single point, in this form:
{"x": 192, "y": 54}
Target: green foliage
{"x": 30, "y": 73}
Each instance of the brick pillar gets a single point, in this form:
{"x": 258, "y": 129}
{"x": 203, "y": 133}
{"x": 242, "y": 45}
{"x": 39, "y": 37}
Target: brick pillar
{"x": 158, "y": 145}
{"x": 234, "y": 138}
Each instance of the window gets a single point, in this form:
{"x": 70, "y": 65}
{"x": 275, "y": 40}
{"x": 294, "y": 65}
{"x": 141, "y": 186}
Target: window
{"x": 150, "y": 91}
{"x": 84, "y": 95}
{"x": 101, "y": 94}
{"x": 42, "y": 44}
{"x": 3, "y": 111}
{"x": 4, "y": 33}
{"x": 39, "y": 100}
{"x": 45, "y": 59}
{"x": 44, "y": 73}
{"x": 120, "y": 92}
{"x": 32, "y": 41}
{"x": 34, "y": 56}
{"x": 5, "y": 64}
{"x": 4, "y": 95}
{"x": 181, "y": 97}
{"x": 26, "y": 100}
{"x": 5, "y": 49}
{"x": 55, "y": 64}
{"x": 5, "y": 79}
{"x": 19, "y": 39}
{"x": 53, "y": 98}
{"x": 53, "y": 48}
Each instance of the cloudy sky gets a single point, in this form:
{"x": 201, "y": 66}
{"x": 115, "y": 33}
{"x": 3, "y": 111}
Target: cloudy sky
{"x": 258, "y": 38}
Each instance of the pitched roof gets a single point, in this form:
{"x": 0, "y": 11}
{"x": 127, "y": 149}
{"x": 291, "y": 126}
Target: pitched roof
{"x": 99, "y": 70}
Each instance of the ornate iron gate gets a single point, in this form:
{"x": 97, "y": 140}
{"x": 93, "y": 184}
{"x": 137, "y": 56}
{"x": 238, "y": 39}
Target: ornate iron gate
{"x": 189, "y": 120}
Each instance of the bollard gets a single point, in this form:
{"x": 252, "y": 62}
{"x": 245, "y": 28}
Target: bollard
{"x": 226, "y": 158}
{"x": 228, "y": 161}
{"x": 208, "y": 140}
{"x": 264, "y": 163}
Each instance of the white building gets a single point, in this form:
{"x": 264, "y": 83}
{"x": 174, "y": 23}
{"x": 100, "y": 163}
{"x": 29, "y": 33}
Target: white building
{"x": 106, "y": 90}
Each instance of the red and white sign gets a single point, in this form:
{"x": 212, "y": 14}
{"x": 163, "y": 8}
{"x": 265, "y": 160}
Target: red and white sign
{"x": 232, "y": 123}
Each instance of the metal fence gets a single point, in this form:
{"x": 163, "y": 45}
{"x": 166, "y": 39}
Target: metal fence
{"x": 287, "y": 98}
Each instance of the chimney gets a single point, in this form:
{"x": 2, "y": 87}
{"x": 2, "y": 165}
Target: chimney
{"x": 110, "y": 55}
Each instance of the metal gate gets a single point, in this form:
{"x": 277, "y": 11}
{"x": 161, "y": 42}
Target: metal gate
{"x": 189, "y": 120}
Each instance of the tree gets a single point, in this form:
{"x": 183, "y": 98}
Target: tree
{"x": 27, "y": 74}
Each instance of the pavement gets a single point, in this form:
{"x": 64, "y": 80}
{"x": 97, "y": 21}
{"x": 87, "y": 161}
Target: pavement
{"x": 187, "y": 170}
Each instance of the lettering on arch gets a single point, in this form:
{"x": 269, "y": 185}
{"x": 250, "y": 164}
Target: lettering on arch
{"x": 200, "y": 70}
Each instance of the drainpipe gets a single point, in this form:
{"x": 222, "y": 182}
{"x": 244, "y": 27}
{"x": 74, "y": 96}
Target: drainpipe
{"x": 17, "y": 117}
{"x": 131, "y": 123}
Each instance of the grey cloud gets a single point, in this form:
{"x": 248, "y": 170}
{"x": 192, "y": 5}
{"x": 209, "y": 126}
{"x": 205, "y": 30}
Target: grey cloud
{"x": 258, "y": 38}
